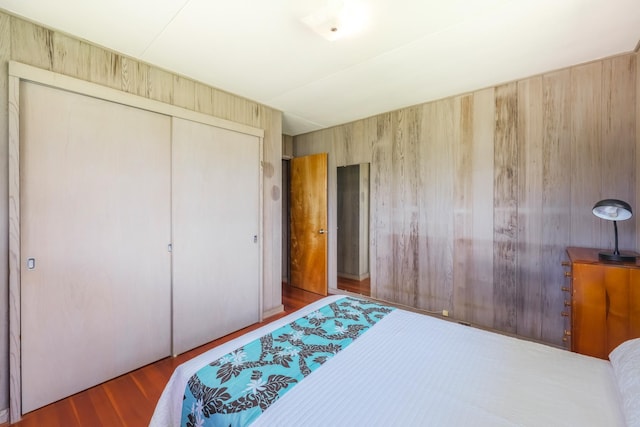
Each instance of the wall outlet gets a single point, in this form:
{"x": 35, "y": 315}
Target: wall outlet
{"x": 445, "y": 313}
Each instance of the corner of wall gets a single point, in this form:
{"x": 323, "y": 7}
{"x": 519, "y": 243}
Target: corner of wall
{"x": 5, "y": 54}
{"x": 637, "y": 51}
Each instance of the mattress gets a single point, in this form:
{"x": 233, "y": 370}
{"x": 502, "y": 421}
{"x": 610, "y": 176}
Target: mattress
{"x": 412, "y": 369}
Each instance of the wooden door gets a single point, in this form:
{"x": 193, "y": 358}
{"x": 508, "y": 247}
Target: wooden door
{"x": 216, "y": 226}
{"x": 94, "y": 227}
{"x": 309, "y": 223}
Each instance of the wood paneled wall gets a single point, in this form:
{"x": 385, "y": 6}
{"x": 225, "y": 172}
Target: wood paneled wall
{"x": 474, "y": 198}
{"x": 5, "y": 49}
{"x": 34, "y": 45}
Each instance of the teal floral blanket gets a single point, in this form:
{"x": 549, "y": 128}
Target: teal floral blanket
{"x": 235, "y": 389}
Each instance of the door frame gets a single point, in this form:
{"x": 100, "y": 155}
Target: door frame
{"x": 21, "y": 72}
{"x": 286, "y": 218}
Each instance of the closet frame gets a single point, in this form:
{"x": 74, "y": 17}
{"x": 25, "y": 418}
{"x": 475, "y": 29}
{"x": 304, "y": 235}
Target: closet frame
{"x": 21, "y": 72}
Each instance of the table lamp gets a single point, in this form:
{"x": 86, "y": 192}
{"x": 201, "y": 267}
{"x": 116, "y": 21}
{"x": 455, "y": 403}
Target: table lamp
{"x": 614, "y": 210}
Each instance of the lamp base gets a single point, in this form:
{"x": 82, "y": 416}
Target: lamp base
{"x": 611, "y": 257}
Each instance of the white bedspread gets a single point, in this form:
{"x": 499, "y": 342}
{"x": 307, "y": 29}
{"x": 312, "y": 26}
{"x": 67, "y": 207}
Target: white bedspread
{"x": 415, "y": 370}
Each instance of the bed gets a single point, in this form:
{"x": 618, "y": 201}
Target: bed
{"x": 387, "y": 366}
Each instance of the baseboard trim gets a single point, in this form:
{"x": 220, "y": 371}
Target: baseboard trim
{"x": 354, "y": 276}
{"x": 4, "y": 416}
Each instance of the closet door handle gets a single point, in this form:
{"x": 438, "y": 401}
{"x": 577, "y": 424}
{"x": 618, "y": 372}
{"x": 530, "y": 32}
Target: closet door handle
{"x": 322, "y": 231}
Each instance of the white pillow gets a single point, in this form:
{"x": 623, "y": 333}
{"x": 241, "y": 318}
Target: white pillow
{"x": 625, "y": 360}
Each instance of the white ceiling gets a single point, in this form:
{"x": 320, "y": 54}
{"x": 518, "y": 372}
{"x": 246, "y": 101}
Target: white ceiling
{"x": 412, "y": 51}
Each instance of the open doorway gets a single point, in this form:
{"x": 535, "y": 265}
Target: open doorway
{"x": 353, "y": 229}
{"x": 286, "y": 240}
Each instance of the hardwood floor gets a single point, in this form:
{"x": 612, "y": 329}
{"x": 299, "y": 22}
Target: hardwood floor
{"x": 362, "y": 287}
{"x": 130, "y": 399}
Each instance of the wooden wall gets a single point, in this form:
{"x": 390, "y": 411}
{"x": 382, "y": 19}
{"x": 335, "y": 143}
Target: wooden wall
{"x": 34, "y": 45}
{"x": 474, "y": 198}
{"x": 637, "y": 140}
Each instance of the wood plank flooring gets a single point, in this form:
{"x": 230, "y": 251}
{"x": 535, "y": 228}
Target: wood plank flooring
{"x": 130, "y": 399}
{"x": 362, "y": 287}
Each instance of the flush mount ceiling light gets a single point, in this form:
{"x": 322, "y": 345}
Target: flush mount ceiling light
{"x": 338, "y": 19}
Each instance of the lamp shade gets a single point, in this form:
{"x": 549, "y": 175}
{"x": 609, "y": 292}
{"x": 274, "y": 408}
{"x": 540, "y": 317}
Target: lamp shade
{"x": 612, "y": 210}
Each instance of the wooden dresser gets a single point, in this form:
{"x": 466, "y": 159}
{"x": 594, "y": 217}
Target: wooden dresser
{"x": 602, "y": 304}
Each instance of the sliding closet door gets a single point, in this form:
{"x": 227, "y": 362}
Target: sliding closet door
{"x": 95, "y": 228}
{"x": 216, "y": 214}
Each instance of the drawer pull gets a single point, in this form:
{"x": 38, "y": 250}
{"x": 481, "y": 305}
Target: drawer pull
{"x": 565, "y": 314}
{"x": 565, "y": 339}
{"x": 567, "y": 274}
{"x": 567, "y": 333}
{"x": 566, "y": 264}
{"x": 565, "y": 289}
{"x": 567, "y": 303}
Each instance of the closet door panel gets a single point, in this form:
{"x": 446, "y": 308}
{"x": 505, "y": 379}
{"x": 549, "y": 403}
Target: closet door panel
{"x": 95, "y": 219}
{"x": 216, "y": 214}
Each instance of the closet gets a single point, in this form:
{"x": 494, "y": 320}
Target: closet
{"x": 215, "y": 263}
{"x": 95, "y": 225}
{"x": 138, "y": 238}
